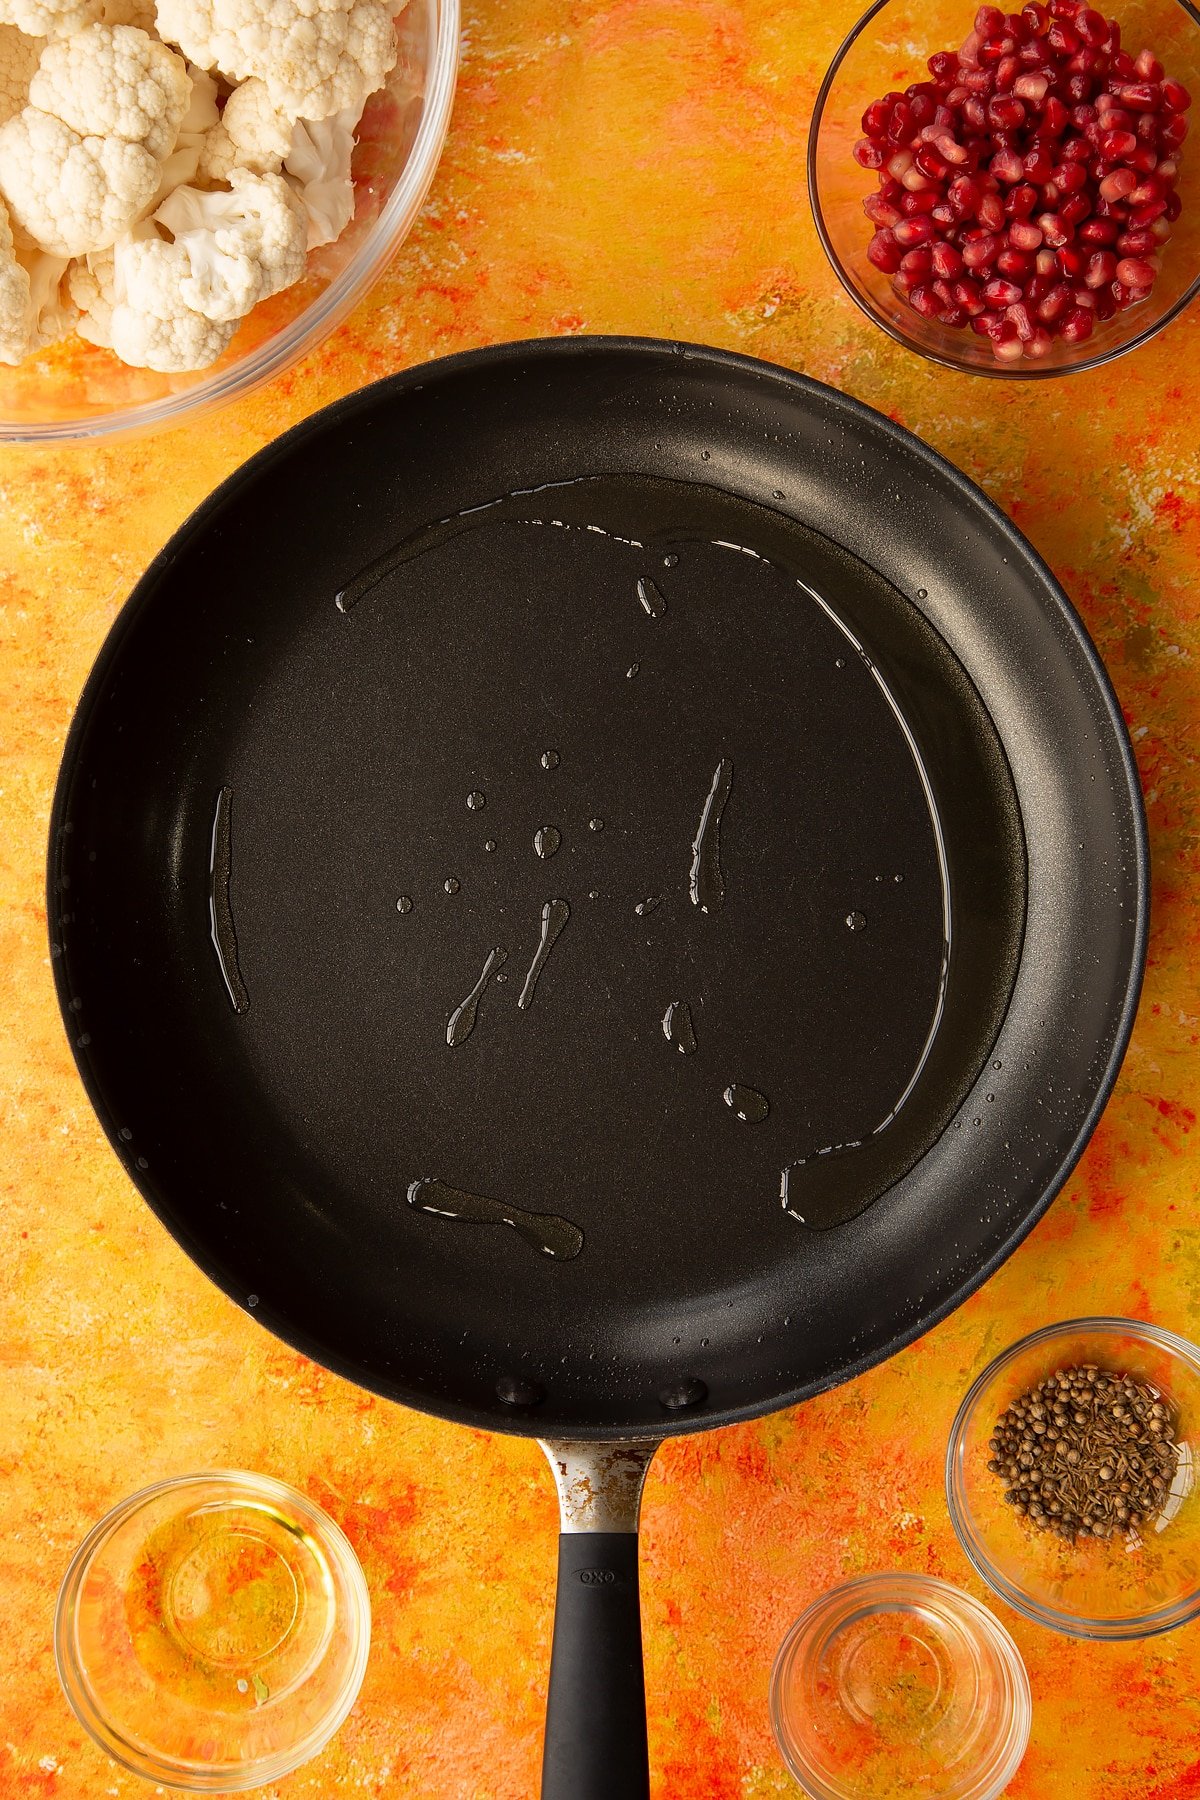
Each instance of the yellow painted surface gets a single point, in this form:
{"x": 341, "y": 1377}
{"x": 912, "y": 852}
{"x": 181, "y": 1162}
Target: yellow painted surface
{"x": 632, "y": 166}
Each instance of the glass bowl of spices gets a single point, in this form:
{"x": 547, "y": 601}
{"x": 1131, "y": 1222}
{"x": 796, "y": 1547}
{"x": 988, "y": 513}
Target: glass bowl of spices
{"x": 212, "y": 1631}
{"x": 1013, "y": 194}
{"x": 904, "y": 1685}
{"x": 1071, "y": 1478}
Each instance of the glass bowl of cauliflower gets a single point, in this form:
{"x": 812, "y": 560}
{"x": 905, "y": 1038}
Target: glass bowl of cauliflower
{"x": 194, "y": 192}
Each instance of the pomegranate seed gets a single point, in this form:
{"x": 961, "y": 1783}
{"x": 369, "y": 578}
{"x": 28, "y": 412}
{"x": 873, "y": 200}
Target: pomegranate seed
{"x": 1101, "y": 267}
{"x": 1016, "y": 264}
{"x": 1117, "y": 146}
{"x": 1021, "y": 319}
{"x": 1008, "y": 349}
{"x": 1173, "y": 131}
{"x": 1006, "y": 112}
{"x": 979, "y": 82}
{"x": 981, "y": 252}
{"x": 943, "y": 66}
{"x": 969, "y": 296}
{"x": 925, "y": 302}
{"x": 1054, "y": 231}
{"x": 1036, "y": 289}
{"x": 1072, "y": 261}
{"x": 1073, "y": 210}
{"x": 1007, "y": 70}
{"x": 1047, "y": 264}
{"x": 1061, "y": 39}
{"x": 1145, "y": 159}
{"x": 1174, "y": 207}
{"x": 998, "y": 294}
{"x": 1033, "y": 88}
{"x": 947, "y": 261}
{"x": 922, "y": 105}
{"x": 1122, "y": 65}
{"x": 1147, "y": 127}
{"x": 990, "y": 212}
{"x": 968, "y": 55}
{"x": 986, "y": 324}
{"x": 1098, "y": 231}
{"x": 1055, "y": 304}
{"x": 1040, "y": 344}
{"x": 1076, "y": 327}
{"x": 917, "y": 262}
{"x": 930, "y": 163}
{"x": 875, "y": 119}
{"x": 1160, "y": 231}
{"x": 1175, "y": 96}
{"x": 1069, "y": 177}
{"x": 904, "y": 283}
{"x": 950, "y": 150}
{"x": 1117, "y": 185}
{"x": 1106, "y": 303}
{"x": 923, "y": 202}
{"x": 1147, "y": 66}
{"x": 899, "y": 164}
{"x": 884, "y": 252}
{"x": 879, "y": 211}
{"x": 1006, "y": 165}
{"x": 944, "y": 215}
{"x": 989, "y": 22}
{"x": 868, "y": 155}
{"x": 1036, "y": 17}
{"x": 1020, "y": 201}
{"x": 1055, "y": 117}
{"x": 1137, "y": 243}
{"x": 1141, "y": 216}
{"x": 953, "y": 315}
{"x": 1092, "y": 27}
{"x": 911, "y": 232}
{"x": 1076, "y": 150}
{"x": 914, "y": 180}
{"x": 1084, "y": 297}
{"x": 1034, "y": 55}
{"x": 964, "y": 196}
{"x": 1024, "y": 236}
{"x": 1133, "y": 272}
{"x": 1140, "y": 96}
{"x": 974, "y": 113}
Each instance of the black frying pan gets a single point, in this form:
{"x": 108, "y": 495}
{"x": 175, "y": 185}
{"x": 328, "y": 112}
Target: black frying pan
{"x": 778, "y": 899}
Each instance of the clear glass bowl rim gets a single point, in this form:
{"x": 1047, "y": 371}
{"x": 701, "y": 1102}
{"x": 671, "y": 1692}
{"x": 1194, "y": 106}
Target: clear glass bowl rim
{"x": 1000, "y": 371}
{"x": 901, "y": 1584}
{"x": 194, "y": 1777}
{"x": 1150, "y": 1624}
{"x": 320, "y": 317}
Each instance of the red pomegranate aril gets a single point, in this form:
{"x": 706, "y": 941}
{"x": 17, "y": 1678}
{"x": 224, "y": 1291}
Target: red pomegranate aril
{"x": 1007, "y": 70}
{"x": 914, "y": 180}
{"x": 917, "y": 262}
{"x": 1054, "y": 232}
{"x": 1023, "y": 235}
{"x": 1084, "y": 297}
{"x": 1021, "y": 319}
{"x": 1160, "y": 231}
{"x": 990, "y": 212}
{"x": 1175, "y": 96}
{"x": 998, "y": 294}
{"x": 1056, "y": 303}
{"x": 1118, "y": 185}
{"x": 1141, "y": 216}
{"x": 899, "y": 164}
{"x": 1047, "y": 264}
{"x": 1098, "y": 232}
{"x": 1172, "y": 208}
{"x": 1073, "y": 210}
{"x": 989, "y": 22}
{"x": 1008, "y": 349}
{"x": 884, "y": 252}
{"x": 944, "y": 215}
{"x": 1133, "y": 272}
{"x": 1117, "y": 146}
{"x": 1036, "y": 17}
{"x": 868, "y": 155}
{"x": 1076, "y": 150}
{"x": 922, "y": 106}
{"x": 1033, "y": 88}
{"x": 930, "y": 163}
{"x": 1054, "y": 118}
{"x": 925, "y": 302}
{"x": 1068, "y": 178}
{"x": 943, "y": 66}
{"x": 1017, "y": 265}
{"x": 981, "y": 252}
{"x": 1006, "y": 112}
{"x": 1173, "y": 131}
{"x": 1140, "y": 96}
{"x": 944, "y": 292}
{"x": 964, "y": 196}
{"x": 1072, "y": 260}
{"x": 875, "y": 119}
{"x": 1077, "y": 326}
{"x": 912, "y": 204}
{"x": 1144, "y": 159}
{"x": 1036, "y": 289}
{"x": 1106, "y": 303}
{"x": 1040, "y": 344}
{"x": 880, "y": 211}
{"x": 1101, "y": 267}
{"x": 1122, "y": 65}
{"x": 1037, "y": 164}
{"x": 900, "y": 123}
{"x": 947, "y": 261}
{"x": 1078, "y": 86}
{"x": 911, "y": 232}
{"x": 1061, "y": 39}
{"x": 1147, "y": 127}
{"x": 969, "y": 296}
{"x": 1007, "y": 166}
{"x": 1137, "y": 243}
{"x": 1147, "y": 66}
{"x": 1020, "y": 201}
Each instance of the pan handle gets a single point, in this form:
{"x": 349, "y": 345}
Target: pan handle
{"x": 595, "y": 1745}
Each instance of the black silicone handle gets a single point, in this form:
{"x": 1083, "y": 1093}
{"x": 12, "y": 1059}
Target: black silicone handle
{"x": 596, "y": 1713}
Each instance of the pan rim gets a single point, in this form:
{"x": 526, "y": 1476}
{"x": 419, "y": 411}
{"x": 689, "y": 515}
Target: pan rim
{"x": 394, "y": 388}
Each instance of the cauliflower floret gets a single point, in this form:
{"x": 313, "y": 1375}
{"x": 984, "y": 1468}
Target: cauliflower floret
{"x": 317, "y": 166}
{"x": 47, "y": 18}
{"x": 52, "y": 313}
{"x": 90, "y": 285}
{"x": 252, "y": 134}
{"x": 185, "y": 340}
{"x": 130, "y": 12}
{"x": 195, "y": 126}
{"x": 236, "y": 248}
{"x": 14, "y": 298}
{"x": 72, "y": 194}
{"x": 317, "y": 57}
{"x": 18, "y": 59}
{"x": 114, "y": 81}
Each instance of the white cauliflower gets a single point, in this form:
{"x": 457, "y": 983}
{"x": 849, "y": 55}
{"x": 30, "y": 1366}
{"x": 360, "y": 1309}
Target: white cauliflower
{"x": 197, "y": 123}
{"x": 252, "y": 134}
{"x": 47, "y": 18}
{"x": 317, "y": 167}
{"x": 317, "y": 57}
{"x": 232, "y": 249}
{"x": 70, "y": 193}
{"x": 129, "y": 302}
{"x": 186, "y": 340}
{"x": 92, "y": 286}
{"x": 114, "y": 81}
{"x": 52, "y": 313}
{"x": 130, "y": 12}
{"x": 18, "y": 59}
{"x": 14, "y": 298}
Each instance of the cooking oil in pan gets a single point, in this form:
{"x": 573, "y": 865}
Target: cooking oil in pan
{"x": 553, "y": 1236}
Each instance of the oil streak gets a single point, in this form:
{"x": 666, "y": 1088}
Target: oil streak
{"x": 747, "y": 1103}
{"x": 555, "y": 914}
{"x": 220, "y": 911}
{"x": 546, "y": 1232}
{"x": 678, "y": 1028}
{"x": 461, "y": 1022}
{"x": 705, "y": 882}
{"x": 654, "y": 601}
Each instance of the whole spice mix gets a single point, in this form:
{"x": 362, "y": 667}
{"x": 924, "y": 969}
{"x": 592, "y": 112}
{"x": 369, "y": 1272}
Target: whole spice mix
{"x": 1086, "y": 1453}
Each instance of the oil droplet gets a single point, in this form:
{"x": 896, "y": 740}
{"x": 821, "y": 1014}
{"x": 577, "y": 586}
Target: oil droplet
{"x": 922, "y": 593}
{"x": 705, "y": 882}
{"x": 502, "y": 977}
{"x": 654, "y": 601}
{"x": 475, "y": 800}
{"x": 632, "y": 670}
{"x": 856, "y": 920}
{"x": 747, "y": 1104}
{"x": 546, "y": 1232}
{"x": 461, "y": 1022}
{"x": 490, "y": 845}
{"x": 839, "y": 662}
{"x": 404, "y": 903}
{"x": 678, "y": 1028}
{"x": 546, "y": 841}
{"x": 555, "y": 914}
{"x": 595, "y": 824}
{"x": 670, "y": 560}
{"x": 897, "y": 878}
{"x": 647, "y": 905}
{"x": 593, "y": 893}
{"x": 705, "y": 455}
{"x": 777, "y": 493}
{"x": 220, "y": 908}
{"x": 550, "y": 759}
{"x": 451, "y": 884}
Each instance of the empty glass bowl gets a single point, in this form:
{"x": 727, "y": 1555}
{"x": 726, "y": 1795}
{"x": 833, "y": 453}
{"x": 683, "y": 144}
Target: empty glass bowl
{"x": 75, "y": 391}
{"x": 1122, "y": 1587}
{"x": 887, "y": 51}
{"x": 900, "y": 1685}
{"x": 212, "y": 1631}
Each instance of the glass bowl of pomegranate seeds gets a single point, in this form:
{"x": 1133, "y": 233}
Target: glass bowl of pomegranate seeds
{"x": 1013, "y": 194}
{"x": 1071, "y": 1478}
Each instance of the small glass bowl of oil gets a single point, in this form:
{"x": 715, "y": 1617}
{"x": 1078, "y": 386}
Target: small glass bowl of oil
{"x": 212, "y": 1631}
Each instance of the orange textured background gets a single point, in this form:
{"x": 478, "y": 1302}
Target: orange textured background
{"x": 631, "y": 166}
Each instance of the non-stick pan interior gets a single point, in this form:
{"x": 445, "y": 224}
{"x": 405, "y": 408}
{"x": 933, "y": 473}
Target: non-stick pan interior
{"x": 597, "y": 874}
